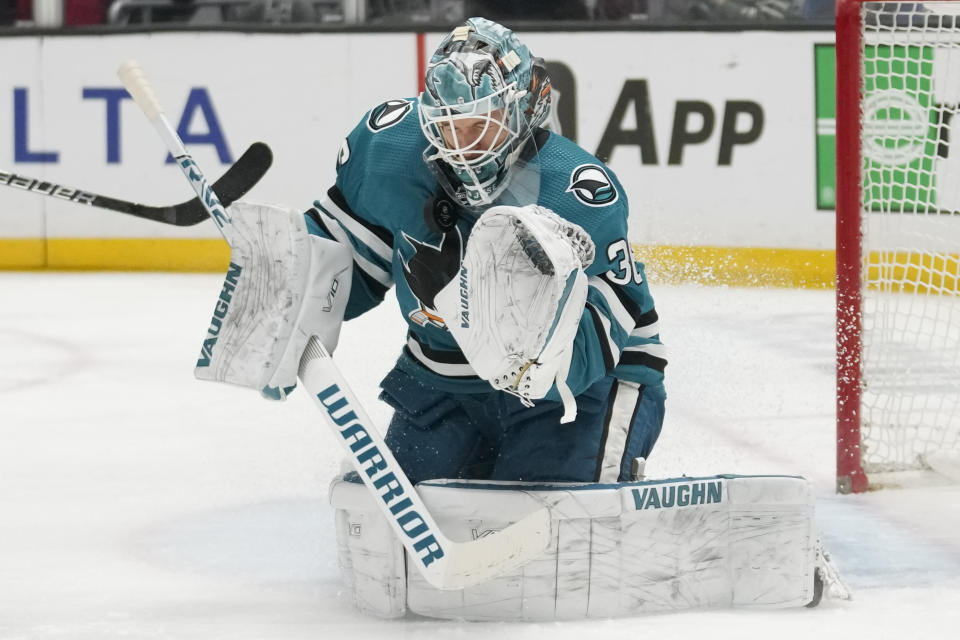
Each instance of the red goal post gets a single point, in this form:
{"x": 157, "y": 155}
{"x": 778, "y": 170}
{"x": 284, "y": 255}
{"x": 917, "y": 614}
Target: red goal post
{"x": 849, "y": 45}
{"x": 897, "y": 237}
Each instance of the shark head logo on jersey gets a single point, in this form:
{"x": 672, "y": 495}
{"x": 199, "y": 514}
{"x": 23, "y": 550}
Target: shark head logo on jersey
{"x": 591, "y": 185}
{"x": 484, "y": 95}
{"x": 388, "y": 114}
{"x": 428, "y": 271}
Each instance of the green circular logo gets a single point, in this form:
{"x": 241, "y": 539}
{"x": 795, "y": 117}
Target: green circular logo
{"x": 895, "y": 127}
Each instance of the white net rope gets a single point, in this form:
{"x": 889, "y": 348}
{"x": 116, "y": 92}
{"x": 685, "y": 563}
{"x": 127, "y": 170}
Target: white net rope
{"x": 911, "y": 226}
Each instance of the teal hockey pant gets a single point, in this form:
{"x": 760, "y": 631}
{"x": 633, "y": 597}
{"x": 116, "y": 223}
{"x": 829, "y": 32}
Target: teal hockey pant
{"x": 436, "y": 434}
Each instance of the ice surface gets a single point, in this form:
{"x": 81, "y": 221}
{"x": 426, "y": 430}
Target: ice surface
{"x": 136, "y": 502}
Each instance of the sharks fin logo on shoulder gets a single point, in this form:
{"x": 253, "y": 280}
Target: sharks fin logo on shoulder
{"x": 591, "y": 185}
{"x": 388, "y": 114}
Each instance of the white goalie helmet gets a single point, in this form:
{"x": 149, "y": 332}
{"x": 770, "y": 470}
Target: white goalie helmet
{"x": 484, "y": 95}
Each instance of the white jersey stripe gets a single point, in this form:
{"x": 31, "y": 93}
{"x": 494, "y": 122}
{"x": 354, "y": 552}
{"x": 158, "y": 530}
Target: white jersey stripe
{"x": 374, "y": 271}
{"x": 618, "y": 429}
{"x": 605, "y": 321}
{"x": 359, "y": 231}
{"x": 657, "y": 350}
{"x": 443, "y": 368}
{"x": 648, "y": 331}
{"x": 624, "y": 319}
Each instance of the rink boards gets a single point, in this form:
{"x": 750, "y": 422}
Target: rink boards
{"x": 722, "y": 140}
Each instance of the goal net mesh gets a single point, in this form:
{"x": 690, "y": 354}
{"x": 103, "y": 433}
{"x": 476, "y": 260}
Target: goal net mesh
{"x": 910, "y": 219}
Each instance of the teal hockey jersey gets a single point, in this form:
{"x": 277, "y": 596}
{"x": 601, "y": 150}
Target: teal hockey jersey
{"x": 377, "y": 208}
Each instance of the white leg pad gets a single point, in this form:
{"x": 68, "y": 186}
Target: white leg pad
{"x": 634, "y": 548}
{"x": 617, "y": 550}
{"x": 372, "y": 561}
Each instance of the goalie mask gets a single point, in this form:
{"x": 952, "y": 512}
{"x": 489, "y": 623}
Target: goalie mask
{"x": 484, "y": 95}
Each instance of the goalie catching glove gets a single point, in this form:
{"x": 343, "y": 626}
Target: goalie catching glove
{"x": 283, "y": 286}
{"x": 515, "y": 308}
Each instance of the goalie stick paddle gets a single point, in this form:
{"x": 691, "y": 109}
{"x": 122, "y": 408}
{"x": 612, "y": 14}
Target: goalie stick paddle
{"x": 232, "y": 185}
{"x": 444, "y": 563}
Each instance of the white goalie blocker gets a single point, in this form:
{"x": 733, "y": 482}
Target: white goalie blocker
{"x": 616, "y": 550}
{"x": 283, "y": 285}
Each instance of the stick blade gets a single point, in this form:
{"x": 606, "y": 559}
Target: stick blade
{"x": 476, "y": 561}
{"x": 244, "y": 173}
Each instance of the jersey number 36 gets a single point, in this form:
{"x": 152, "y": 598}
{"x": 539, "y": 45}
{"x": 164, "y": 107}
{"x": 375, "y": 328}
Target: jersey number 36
{"x": 619, "y": 252}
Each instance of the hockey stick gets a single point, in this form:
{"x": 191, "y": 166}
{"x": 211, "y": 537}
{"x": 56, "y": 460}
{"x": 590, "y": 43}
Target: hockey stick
{"x": 444, "y": 563}
{"x": 232, "y": 185}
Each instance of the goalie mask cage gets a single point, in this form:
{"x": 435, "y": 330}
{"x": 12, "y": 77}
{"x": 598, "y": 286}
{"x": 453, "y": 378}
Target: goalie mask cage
{"x": 898, "y": 238}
